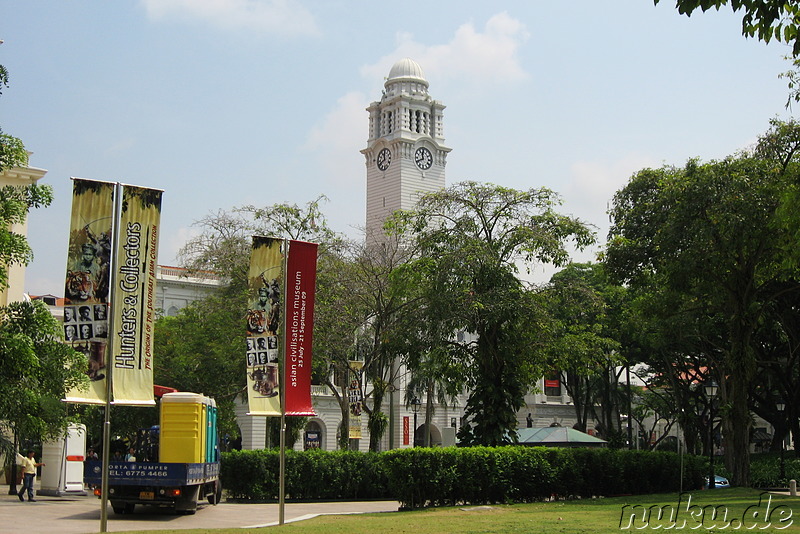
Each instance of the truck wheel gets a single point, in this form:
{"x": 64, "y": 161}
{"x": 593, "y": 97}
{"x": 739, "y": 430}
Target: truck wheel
{"x": 119, "y": 508}
{"x": 216, "y": 497}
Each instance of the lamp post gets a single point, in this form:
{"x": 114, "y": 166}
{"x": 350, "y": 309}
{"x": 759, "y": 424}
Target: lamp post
{"x": 415, "y": 404}
{"x": 711, "y": 392}
{"x": 782, "y": 406}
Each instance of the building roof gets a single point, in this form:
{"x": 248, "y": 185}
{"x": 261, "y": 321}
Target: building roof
{"x": 406, "y": 70}
{"x": 557, "y": 436}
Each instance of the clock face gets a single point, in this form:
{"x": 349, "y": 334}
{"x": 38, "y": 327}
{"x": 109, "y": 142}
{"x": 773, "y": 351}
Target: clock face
{"x": 423, "y": 158}
{"x": 384, "y": 159}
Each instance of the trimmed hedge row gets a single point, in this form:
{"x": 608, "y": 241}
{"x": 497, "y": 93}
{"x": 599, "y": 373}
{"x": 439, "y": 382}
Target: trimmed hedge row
{"x": 446, "y": 476}
{"x": 310, "y": 475}
{"x": 484, "y": 475}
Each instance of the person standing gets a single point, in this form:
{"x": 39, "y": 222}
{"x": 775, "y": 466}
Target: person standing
{"x": 29, "y": 466}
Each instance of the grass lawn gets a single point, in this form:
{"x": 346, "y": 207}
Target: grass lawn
{"x": 761, "y": 513}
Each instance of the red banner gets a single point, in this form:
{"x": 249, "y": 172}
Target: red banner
{"x": 301, "y": 280}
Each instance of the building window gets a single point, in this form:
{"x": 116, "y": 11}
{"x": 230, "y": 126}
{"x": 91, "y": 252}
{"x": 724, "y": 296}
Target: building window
{"x": 552, "y": 384}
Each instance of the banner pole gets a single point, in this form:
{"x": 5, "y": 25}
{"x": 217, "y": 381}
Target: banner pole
{"x": 106, "y": 452}
{"x": 282, "y": 390}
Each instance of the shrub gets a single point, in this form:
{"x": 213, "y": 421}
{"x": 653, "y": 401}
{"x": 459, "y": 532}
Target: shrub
{"x": 309, "y": 475}
{"x": 419, "y": 477}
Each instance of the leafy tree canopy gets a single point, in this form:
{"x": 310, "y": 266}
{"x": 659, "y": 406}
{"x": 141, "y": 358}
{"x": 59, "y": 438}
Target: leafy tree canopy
{"x": 716, "y": 238}
{"x": 36, "y": 370}
{"x": 763, "y": 19}
{"x": 15, "y": 202}
{"x": 470, "y": 238}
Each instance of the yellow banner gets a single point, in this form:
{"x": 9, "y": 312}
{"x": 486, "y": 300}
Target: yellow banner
{"x": 265, "y": 280}
{"x": 86, "y": 290}
{"x": 355, "y": 398}
{"x": 134, "y": 296}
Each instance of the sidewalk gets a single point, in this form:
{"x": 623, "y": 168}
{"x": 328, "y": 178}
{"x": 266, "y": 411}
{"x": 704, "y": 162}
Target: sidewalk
{"x": 81, "y": 515}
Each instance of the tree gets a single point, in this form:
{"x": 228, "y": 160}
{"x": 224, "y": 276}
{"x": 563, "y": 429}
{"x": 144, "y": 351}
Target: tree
{"x": 364, "y": 308}
{"x": 587, "y": 340}
{"x": 37, "y": 371}
{"x": 15, "y": 202}
{"x": 201, "y": 349}
{"x": 764, "y": 19}
{"x": 778, "y": 344}
{"x": 469, "y": 238}
{"x": 711, "y": 237}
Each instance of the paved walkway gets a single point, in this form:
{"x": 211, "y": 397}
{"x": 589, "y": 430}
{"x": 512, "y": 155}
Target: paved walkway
{"x": 81, "y": 515}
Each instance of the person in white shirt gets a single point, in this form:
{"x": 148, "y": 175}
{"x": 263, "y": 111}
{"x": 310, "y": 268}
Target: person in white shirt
{"x": 29, "y": 466}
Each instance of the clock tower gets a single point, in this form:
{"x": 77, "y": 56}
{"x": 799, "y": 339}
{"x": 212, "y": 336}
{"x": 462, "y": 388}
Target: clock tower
{"x": 405, "y": 154}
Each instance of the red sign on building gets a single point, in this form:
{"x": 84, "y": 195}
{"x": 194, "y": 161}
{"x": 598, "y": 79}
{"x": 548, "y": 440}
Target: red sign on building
{"x": 406, "y": 432}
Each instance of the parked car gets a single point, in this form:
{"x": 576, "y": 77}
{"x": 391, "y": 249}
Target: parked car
{"x": 719, "y": 482}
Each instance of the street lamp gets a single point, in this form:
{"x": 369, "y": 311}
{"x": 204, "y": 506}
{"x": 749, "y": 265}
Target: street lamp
{"x": 415, "y": 404}
{"x": 780, "y": 405}
{"x": 711, "y": 392}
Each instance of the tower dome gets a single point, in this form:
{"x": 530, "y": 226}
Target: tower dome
{"x": 406, "y": 70}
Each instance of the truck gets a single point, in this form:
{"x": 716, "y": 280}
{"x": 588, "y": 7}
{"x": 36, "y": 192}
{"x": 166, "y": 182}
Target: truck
{"x": 178, "y": 466}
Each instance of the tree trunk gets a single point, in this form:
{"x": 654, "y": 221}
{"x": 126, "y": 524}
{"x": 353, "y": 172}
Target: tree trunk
{"x": 574, "y": 385}
{"x": 344, "y": 407}
{"x": 737, "y": 430}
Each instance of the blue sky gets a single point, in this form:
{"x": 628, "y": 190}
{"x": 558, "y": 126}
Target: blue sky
{"x": 223, "y": 103}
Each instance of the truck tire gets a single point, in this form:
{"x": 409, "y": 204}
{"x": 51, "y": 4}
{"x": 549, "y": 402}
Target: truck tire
{"x": 215, "y": 497}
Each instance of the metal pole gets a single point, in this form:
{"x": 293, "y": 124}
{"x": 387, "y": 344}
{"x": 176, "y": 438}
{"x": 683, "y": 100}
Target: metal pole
{"x": 711, "y": 480}
{"x": 392, "y": 413}
{"x": 108, "y": 359}
{"x": 783, "y": 466}
{"x": 414, "y": 433}
{"x": 630, "y": 412}
{"x": 680, "y": 449}
{"x": 282, "y": 468}
{"x": 12, "y": 486}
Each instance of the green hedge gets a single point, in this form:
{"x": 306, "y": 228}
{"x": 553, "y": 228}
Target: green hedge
{"x": 483, "y": 475}
{"x": 446, "y": 476}
{"x": 310, "y": 475}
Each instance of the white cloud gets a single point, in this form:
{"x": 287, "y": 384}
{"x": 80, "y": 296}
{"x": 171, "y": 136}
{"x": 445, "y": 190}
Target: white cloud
{"x": 285, "y": 17}
{"x": 336, "y": 139}
{"x": 593, "y": 184}
{"x": 474, "y": 57}
{"x": 170, "y": 243}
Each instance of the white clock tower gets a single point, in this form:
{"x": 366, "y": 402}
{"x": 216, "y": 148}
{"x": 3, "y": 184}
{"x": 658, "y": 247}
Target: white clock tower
{"x": 405, "y": 154}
